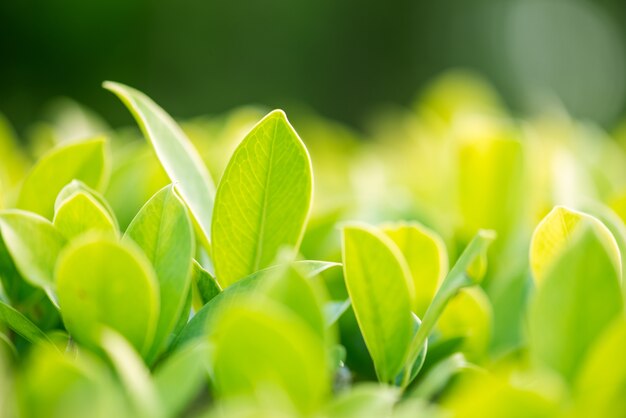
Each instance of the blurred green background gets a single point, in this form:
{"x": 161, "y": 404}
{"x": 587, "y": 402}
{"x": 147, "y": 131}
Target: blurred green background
{"x": 343, "y": 59}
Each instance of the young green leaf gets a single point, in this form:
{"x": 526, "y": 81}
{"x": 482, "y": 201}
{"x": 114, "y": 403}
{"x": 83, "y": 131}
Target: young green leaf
{"x": 164, "y": 232}
{"x": 261, "y": 346}
{"x": 34, "y": 245}
{"x": 179, "y": 158}
{"x": 578, "y": 297}
{"x": 86, "y": 161}
{"x": 21, "y": 325}
{"x": 121, "y": 291}
{"x": 554, "y": 233}
{"x": 378, "y": 282}
{"x": 263, "y": 200}
{"x": 426, "y": 256}
{"x": 76, "y": 186}
{"x": 81, "y": 212}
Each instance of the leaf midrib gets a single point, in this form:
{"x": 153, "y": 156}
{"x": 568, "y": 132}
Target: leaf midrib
{"x": 261, "y": 231}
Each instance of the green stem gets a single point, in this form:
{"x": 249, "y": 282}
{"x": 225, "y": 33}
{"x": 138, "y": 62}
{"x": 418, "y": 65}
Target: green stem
{"x": 456, "y": 279}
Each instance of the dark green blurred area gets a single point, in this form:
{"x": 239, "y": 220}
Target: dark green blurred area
{"x": 343, "y": 59}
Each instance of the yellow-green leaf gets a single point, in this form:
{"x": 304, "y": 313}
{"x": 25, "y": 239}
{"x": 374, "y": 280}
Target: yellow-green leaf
{"x": 554, "y": 234}
{"x": 426, "y": 256}
{"x": 34, "y": 245}
{"x": 86, "y": 161}
{"x": 263, "y": 200}
{"x": 101, "y": 282}
{"x": 179, "y": 158}
{"x": 81, "y": 212}
{"x": 578, "y": 297}
{"x": 378, "y": 282}
{"x": 164, "y": 232}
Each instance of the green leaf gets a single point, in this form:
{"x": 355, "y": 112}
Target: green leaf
{"x": 205, "y": 317}
{"x": 263, "y": 200}
{"x": 464, "y": 273}
{"x": 377, "y": 279}
{"x": 21, "y": 325}
{"x": 76, "y": 186}
{"x": 262, "y": 346}
{"x": 121, "y": 291}
{"x": 79, "y": 212}
{"x": 164, "y": 232}
{"x": 86, "y": 161}
{"x": 181, "y": 376}
{"x": 578, "y": 297}
{"x": 600, "y": 388}
{"x": 34, "y": 245}
{"x": 426, "y": 256}
{"x": 554, "y": 233}
{"x": 179, "y": 158}
{"x": 206, "y": 284}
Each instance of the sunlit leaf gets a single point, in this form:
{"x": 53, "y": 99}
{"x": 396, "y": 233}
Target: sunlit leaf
{"x": 164, "y": 232}
{"x": 81, "y": 212}
{"x": 263, "y": 200}
{"x": 554, "y": 234}
{"x": 177, "y": 155}
{"x": 378, "y": 281}
{"x": 86, "y": 161}
{"x": 34, "y": 245}
{"x": 121, "y": 291}
{"x": 426, "y": 256}
{"x": 578, "y": 297}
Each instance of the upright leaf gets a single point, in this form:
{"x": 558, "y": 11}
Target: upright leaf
{"x": 579, "y": 296}
{"x": 101, "y": 282}
{"x": 377, "y": 280}
{"x": 179, "y": 158}
{"x": 164, "y": 232}
{"x": 34, "y": 245}
{"x": 426, "y": 256}
{"x": 554, "y": 233}
{"x": 86, "y": 161}
{"x": 263, "y": 200}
